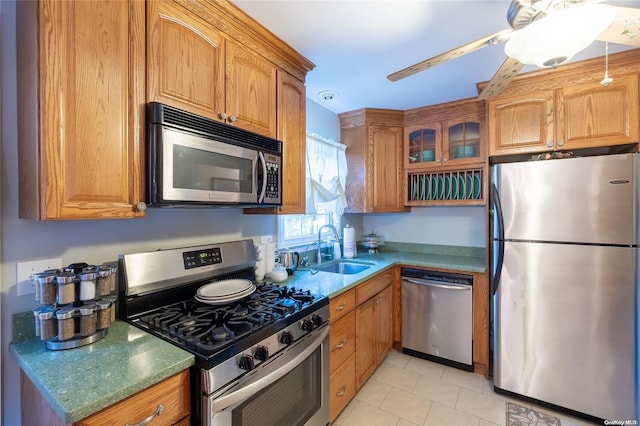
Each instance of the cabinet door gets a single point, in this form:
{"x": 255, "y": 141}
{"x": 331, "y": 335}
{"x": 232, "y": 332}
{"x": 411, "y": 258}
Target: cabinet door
{"x": 384, "y": 183}
{"x": 423, "y": 145}
{"x": 365, "y": 341}
{"x": 185, "y": 60}
{"x": 251, "y": 90}
{"x": 292, "y": 132}
{"x": 462, "y": 141}
{"x": 82, "y": 157}
{"x": 591, "y": 115}
{"x": 384, "y": 337}
{"x": 521, "y": 124}
{"x": 342, "y": 387}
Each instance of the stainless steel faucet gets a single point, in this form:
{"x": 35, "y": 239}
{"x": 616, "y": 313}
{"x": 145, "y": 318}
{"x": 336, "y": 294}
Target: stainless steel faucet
{"x": 335, "y": 233}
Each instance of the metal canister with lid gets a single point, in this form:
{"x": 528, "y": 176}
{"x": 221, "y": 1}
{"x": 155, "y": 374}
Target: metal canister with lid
{"x": 46, "y": 288}
{"x": 88, "y": 320}
{"x": 87, "y": 284}
{"x": 66, "y": 288}
{"x": 66, "y": 323}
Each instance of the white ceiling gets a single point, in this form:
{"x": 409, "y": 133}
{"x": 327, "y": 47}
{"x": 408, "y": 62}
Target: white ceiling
{"x": 355, "y": 44}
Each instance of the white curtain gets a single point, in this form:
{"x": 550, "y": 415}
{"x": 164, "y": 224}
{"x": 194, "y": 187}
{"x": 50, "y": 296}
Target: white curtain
{"x": 326, "y": 173}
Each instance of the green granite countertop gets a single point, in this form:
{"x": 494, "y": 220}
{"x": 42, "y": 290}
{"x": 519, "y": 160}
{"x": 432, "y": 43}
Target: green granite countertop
{"x": 82, "y": 381}
{"x": 455, "y": 259}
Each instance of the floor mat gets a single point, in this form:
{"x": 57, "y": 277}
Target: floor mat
{"x": 517, "y": 415}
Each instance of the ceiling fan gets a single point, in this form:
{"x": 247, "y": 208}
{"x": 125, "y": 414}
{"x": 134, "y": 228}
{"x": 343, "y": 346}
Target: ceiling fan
{"x": 545, "y": 33}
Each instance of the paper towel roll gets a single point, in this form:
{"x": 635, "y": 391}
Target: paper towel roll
{"x": 349, "y": 242}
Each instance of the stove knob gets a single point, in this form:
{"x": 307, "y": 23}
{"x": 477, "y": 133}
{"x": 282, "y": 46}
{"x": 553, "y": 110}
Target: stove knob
{"x": 246, "y": 362}
{"x": 317, "y": 320}
{"x": 262, "y": 353}
{"x": 306, "y": 325}
{"x": 286, "y": 338}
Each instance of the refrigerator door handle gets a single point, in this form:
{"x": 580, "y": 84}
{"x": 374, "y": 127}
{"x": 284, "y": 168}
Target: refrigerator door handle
{"x": 498, "y": 221}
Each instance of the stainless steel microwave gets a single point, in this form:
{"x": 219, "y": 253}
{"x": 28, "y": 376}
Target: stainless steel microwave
{"x": 195, "y": 161}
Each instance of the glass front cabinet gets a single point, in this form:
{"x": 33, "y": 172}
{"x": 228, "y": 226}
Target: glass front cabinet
{"x": 445, "y": 155}
{"x": 440, "y": 144}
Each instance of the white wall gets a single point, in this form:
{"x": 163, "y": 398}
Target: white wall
{"x": 455, "y": 226}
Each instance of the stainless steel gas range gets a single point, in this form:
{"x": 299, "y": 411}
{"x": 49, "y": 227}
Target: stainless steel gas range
{"x": 261, "y": 355}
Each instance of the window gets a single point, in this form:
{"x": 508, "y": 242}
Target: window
{"x": 326, "y": 174}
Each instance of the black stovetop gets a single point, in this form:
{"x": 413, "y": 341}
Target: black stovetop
{"x": 215, "y": 332}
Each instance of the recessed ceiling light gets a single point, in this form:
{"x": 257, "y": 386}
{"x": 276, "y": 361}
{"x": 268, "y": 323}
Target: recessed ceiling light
{"x": 328, "y": 95}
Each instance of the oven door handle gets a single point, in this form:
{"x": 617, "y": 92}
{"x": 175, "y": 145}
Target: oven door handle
{"x": 252, "y": 388}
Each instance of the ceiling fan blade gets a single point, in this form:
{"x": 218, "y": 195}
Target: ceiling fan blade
{"x": 625, "y": 28}
{"x": 494, "y": 38}
{"x": 501, "y": 78}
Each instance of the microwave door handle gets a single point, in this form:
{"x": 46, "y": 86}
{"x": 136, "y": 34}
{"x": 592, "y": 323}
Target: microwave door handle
{"x": 263, "y": 190}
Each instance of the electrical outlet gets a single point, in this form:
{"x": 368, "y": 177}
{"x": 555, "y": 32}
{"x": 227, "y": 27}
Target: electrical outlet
{"x": 24, "y": 271}
{"x": 265, "y": 239}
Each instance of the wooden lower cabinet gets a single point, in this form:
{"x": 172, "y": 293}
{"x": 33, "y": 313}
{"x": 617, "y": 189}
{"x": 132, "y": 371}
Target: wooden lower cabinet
{"x": 373, "y": 334}
{"x": 343, "y": 387}
{"x": 342, "y": 363}
{"x": 172, "y": 393}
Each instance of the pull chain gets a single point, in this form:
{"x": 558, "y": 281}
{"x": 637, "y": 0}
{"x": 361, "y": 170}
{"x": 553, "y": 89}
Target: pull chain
{"x": 606, "y": 80}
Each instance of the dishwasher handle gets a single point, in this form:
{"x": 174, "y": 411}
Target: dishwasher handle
{"x": 429, "y": 283}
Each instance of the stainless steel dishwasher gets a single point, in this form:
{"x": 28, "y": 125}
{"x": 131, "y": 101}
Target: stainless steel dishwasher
{"x": 437, "y": 316}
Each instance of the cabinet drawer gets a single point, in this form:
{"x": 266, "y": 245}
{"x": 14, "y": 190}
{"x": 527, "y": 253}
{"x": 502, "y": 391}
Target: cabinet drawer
{"x": 373, "y": 286}
{"x": 343, "y": 339}
{"x": 172, "y": 393}
{"x": 342, "y": 387}
{"x": 342, "y": 304}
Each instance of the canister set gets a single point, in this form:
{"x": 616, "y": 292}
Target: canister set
{"x": 77, "y": 304}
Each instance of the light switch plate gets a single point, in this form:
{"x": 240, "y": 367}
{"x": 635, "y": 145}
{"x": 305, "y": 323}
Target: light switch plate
{"x": 24, "y": 271}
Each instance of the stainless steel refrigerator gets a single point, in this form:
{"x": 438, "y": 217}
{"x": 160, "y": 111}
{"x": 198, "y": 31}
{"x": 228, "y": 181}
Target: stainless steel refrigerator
{"x": 565, "y": 261}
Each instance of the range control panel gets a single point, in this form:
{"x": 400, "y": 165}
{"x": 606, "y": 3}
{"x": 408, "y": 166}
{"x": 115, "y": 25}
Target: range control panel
{"x": 204, "y": 257}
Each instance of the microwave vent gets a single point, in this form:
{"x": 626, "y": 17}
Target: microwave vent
{"x": 211, "y": 129}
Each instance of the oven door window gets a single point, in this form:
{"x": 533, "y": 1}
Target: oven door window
{"x": 199, "y": 169}
{"x": 291, "y": 401}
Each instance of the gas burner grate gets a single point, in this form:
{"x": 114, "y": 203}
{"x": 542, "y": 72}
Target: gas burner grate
{"x": 211, "y": 328}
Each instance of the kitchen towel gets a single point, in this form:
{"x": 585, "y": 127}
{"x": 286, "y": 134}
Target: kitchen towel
{"x": 349, "y": 242}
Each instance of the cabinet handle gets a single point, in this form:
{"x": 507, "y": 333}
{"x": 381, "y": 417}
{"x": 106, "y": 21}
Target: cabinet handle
{"x": 549, "y": 144}
{"x": 341, "y": 392}
{"x": 233, "y": 119}
{"x": 341, "y": 344}
{"x": 445, "y": 159}
{"x": 341, "y": 307}
{"x": 149, "y": 419}
{"x": 140, "y": 206}
{"x": 378, "y": 301}
{"x": 560, "y": 143}
{"x": 223, "y": 115}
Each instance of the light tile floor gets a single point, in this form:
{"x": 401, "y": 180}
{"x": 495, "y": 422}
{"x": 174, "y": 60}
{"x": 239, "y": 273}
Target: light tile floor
{"x": 409, "y": 391}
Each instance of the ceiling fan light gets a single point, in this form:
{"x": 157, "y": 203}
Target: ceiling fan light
{"x": 556, "y": 38}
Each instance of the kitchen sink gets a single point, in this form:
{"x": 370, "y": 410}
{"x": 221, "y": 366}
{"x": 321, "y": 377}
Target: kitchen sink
{"x": 344, "y": 267}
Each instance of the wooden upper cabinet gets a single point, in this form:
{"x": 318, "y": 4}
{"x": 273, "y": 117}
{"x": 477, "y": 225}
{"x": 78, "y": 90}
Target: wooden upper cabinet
{"x": 521, "y": 124}
{"x": 590, "y": 115}
{"x": 449, "y": 135}
{"x": 374, "y": 158}
{"x": 195, "y": 67}
{"x": 292, "y": 131}
{"x": 251, "y": 91}
{"x": 185, "y": 60}
{"x": 384, "y": 177}
{"x": 81, "y": 107}
{"x": 567, "y": 108}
